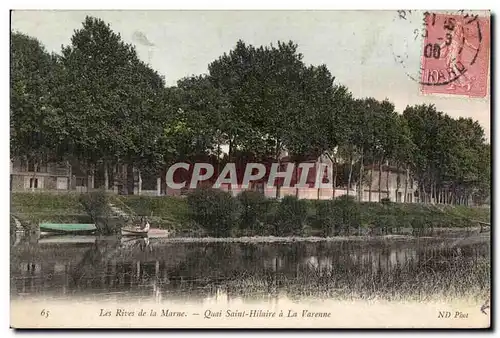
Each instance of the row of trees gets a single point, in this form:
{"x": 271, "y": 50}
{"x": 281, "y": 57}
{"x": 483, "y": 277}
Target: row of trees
{"x": 98, "y": 103}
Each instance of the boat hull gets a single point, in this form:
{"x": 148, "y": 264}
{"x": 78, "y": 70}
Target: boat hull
{"x": 70, "y": 229}
{"x": 130, "y": 232}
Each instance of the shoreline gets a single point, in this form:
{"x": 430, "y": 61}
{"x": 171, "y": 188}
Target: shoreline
{"x": 473, "y": 234}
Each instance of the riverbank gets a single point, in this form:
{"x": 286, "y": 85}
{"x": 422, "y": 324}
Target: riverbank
{"x": 174, "y": 214}
{"x": 361, "y": 274}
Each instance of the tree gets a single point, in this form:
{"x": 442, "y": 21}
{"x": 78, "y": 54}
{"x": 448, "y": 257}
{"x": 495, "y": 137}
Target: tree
{"x": 113, "y": 100}
{"x": 36, "y": 124}
{"x": 362, "y": 138}
{"x": 263, "y": 90}
{"x": 315, "y": 132}
{"x": 404, "y": 153}
{"x": 448, "y": 155}
{"x": 387, "y": 133}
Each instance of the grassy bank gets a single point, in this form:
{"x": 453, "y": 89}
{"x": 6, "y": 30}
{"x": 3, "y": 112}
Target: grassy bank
{"x": 265, "y": 215}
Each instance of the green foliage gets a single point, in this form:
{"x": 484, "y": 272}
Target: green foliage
{"x": 169, "y": 208}
{"x": 95, "y": 204}
{"x": 121, "y": 98}
{"x": 98, "y": 103}
{"x": 348, "y": 213}
{"x": 35, "y": 122}
{"x": 450, "y": 155}
{"x": 328, "y": 216}
{"x": 290, "y": 216}
{"x": 215, "y": 210}
{"x": 327, "y": 219}
{"x": 25, "y": 203}
{"x": 254, "y": 208}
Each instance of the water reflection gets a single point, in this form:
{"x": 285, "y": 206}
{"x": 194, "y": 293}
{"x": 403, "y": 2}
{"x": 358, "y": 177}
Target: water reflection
{"x": 147, "y": 269}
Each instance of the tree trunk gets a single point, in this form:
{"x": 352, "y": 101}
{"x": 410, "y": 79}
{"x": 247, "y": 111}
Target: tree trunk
{"x": 70, "y": 175}
{"x": 370, "y": 183}
{"x": 158, "y": 186}
{"x": 432, "y": 193}
{"x": 334, "y": 184}
{"x": 278, "y": 187}
{"x": 380, "y": 181}
{"x": 90, "y": 178}
{"x": 361, "y": 172}
{"x": 349, "y": 176}
{"x": 318, "y": 191}
{"x": 139, "y": 186}
{"x": 106, "y": 176}
{"x": 398, "y": 183}
{"x": 406, "y": 183}
{"x": 296, "y": 169}
{"x": 130, "y": 179}
{"x": 35, "y": 168}
{"x": 229, "y": 157}
{"x": 387, "y": 182}
{"x": 278, "y": 157}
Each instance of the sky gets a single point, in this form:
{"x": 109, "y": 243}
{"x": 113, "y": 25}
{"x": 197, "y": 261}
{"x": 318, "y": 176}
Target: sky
{"x": 358, "y": 47}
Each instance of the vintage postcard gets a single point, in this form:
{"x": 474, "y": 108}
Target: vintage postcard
{"x": 250, "y": 169}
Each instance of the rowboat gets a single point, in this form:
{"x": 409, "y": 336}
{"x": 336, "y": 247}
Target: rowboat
{"x": 67, "y": 228}
{"x": 136, "y": 231}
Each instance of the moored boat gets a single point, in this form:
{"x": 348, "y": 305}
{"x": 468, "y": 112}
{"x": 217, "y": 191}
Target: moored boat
{"x": 141, "y": 230}
{"x": 67, "y": 228}
{"x": 134, "y": 232}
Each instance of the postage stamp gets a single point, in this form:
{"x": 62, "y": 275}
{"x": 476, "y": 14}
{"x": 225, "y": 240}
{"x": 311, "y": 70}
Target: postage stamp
{"x": 445, "y": 52}
{"x": 191, "y": 169}
{"x": 455, "y": 55}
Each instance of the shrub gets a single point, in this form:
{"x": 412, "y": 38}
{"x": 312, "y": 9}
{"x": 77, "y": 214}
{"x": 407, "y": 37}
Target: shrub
{"x": 348, "y": 213}
{"x": 215, "y": 210}
{"x": 290, "y": 216}
{"x": 327, "y": 218}
{"x": 385, "y": 200}
{"x": 96, "y": 205}
{"x": 254, "y": 206}
{"x": 420, "y": 224}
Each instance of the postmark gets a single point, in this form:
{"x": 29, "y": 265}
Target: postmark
{"x": 453, "y": 49}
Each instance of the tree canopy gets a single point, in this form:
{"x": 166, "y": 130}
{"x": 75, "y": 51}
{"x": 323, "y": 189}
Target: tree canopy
{"x": 98, "y": 103}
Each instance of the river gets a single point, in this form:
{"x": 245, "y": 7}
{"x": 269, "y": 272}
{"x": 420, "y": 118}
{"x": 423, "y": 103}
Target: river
{"x": 159, "y": 269}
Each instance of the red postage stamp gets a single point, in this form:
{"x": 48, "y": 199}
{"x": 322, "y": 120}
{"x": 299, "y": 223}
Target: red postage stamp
{"x": 455, "y": 55}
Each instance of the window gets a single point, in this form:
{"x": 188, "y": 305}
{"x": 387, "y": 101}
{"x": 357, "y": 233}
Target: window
{"x": 33, "y": 183}
{"x": 40, "y": 168}
{"x": 31, "y": 166}
{"x": 81, "y": 182}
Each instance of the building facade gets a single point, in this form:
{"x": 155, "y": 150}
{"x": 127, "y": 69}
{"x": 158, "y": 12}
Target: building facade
{"x": 126, "y": 180}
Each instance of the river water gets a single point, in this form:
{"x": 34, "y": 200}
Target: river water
{"x": 157, "y": 270}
